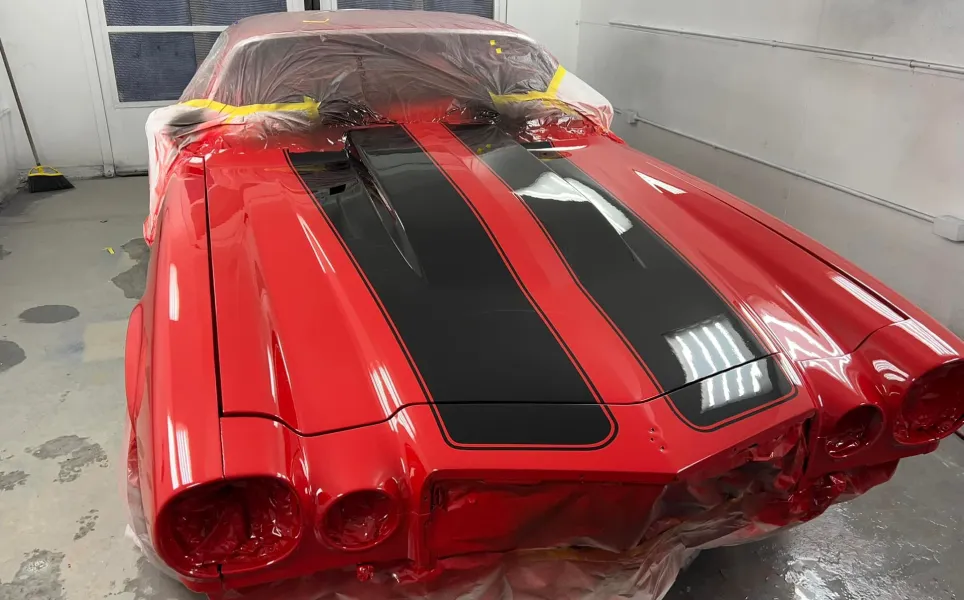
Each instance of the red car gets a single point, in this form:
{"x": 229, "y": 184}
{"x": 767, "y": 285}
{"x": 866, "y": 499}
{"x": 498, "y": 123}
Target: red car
{"x": 414, "y": 313}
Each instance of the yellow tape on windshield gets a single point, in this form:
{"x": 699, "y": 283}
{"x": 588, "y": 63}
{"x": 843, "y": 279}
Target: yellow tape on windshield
{"x": 308, "y": 106}
{"x": 548, "y": 96}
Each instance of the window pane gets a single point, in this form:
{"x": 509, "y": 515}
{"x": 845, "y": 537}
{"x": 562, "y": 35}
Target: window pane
{"x": 185, "y": 12}
{"x": 482, "y": 8}
{"x": 157, "y": 66}
{"x": 380, "y": 4}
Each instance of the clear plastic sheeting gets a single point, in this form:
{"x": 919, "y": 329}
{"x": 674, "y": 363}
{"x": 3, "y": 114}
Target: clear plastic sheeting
{"x": 543, "y": 575}
{"x": 300, "y": 80}
{"x": 761, "y": 490}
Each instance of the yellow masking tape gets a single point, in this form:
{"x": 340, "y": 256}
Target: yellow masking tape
{"x": 309, "y": 106}
{"x": 557, "y": 78}
{"x": 549, "y": 96}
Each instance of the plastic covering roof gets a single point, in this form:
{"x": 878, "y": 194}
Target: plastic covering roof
{"x": 296, "y": 79}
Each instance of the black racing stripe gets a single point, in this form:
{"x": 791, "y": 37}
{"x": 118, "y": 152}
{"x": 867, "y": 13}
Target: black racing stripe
{"x": 653, "y": 297}
{"x": 728, "y": 396}
{"x": 495, "y": 372}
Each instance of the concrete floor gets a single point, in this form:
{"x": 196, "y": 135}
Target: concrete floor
{"x": 62, "y": 400}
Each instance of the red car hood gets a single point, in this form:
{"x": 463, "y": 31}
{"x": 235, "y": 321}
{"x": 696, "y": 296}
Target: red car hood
{"x": 458, "y": 268}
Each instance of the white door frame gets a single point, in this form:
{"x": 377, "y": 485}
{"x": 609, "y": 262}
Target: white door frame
{"x": 501, "y": 8}
{"x": 95, "y": 80}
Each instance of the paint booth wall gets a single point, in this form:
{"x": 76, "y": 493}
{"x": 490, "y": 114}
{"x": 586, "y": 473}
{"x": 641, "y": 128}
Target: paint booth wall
{"x": 48, "y": 56}
{"x": 8, "y": 168}
{"x": 8, "y": 164}
{"x": 891, "y": 132}
{"x": 553, "y": 23}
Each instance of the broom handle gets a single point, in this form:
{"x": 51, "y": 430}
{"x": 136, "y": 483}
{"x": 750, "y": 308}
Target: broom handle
{"x": 16, "y": 96}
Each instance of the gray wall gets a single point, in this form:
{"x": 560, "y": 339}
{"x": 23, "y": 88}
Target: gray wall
{"x": 553, "y": 23}
{"x": 8, "y": 167}
{"x": 889, "y": 131}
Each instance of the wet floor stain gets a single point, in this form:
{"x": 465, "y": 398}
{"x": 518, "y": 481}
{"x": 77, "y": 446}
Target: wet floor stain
{"x": 11, "y": 355}
{"x": 890, "y": 544}
{"x": 133, "y": 280}
{"x": 151, "y": 584}
{"x": 76, "y": 453}
{"x": 38, "y": 577}
{"x": 49, "y": 313}
{"x": 4, "y": 253}
{"x": 71, "y": 348}
{"x": 8, "y": 481}
{"x": 87, "y": 524}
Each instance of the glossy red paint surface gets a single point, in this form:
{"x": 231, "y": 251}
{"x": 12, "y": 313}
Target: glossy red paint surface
{"x": 299, "y": 322}
{"x": 806, "y": 307}
{"x": 171, "y": 373}
{"x": 311, "y": 387}
{"x": 407, "y": 454}
{"x": 266, "y": 228}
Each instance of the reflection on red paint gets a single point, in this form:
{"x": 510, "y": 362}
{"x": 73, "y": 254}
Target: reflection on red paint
{"x": 890, "y": 371}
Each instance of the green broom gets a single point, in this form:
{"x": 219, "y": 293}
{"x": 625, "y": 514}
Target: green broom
{"x": 40, "y": 178}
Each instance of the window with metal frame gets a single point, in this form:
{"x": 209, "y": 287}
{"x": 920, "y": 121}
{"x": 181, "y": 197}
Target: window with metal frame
{"x": 157, "y": 45}
{"x": 482, "y": 8}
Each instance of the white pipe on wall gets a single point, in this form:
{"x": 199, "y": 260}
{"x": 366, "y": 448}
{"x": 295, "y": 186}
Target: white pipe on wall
{"x": 632, "y": 117}
{"x": 858, "y": 105}
{"x": 910, "y": 63}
